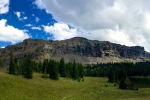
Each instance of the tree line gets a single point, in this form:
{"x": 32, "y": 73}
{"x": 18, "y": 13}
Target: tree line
{"x": 119, "y": 73}
{"x": 48, "y": 68}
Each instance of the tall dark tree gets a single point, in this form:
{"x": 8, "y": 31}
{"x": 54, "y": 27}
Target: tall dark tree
{"x": 67, "y": 70}
{"x": 111, "y": 75}
{"x": 40, "y": 66}
{"x": 53, "y": 70}
{"x": 44, "y": 67}
{"x": 16, "y": 66}
{"x": 1, "y": 63}
{"x": 75, "y": 71}
{"x": 62, "y": 68}
{"x": 11, "y": 64}
{"x": 27, "y": 72}
{"x": 81, "y": 70}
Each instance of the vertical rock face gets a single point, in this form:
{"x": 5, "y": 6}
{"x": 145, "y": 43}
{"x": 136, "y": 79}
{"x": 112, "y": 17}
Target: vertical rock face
{"x": 77, "y": 46}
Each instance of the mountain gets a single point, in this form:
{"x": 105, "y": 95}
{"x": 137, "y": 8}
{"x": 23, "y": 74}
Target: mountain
{"x": 77, "y": 48}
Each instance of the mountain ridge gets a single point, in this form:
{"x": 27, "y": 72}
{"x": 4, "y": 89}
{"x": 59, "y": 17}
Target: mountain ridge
{"x": 77, "y": 48}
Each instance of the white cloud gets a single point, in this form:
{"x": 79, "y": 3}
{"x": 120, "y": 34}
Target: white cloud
{"x": 36, "y": 28}
{"x": 11, "y": 34}
{"x": 37, "y": 19}
{"x": 20, "y": 16}
{"x": 28, "y": 25}
{"x": 4, "y": 6}
{"x": 25, "y": 18}
{"x": 60, "y": 31}
{"x": 101, "y": 17}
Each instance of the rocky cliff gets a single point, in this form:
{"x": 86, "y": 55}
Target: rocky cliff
{"x": 78, "y": 48}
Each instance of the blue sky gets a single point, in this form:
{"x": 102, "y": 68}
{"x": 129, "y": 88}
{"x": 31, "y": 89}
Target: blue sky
{"x": 125, "y": 22}
{"x": 31, "y": 19}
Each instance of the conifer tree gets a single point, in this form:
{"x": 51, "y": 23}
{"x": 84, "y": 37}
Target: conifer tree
{"x": 16, "y": 67}
{"x": 40, "y": 66}
{"x": 53, "y": 70}
{"x": 81, "y": 70}
{"x": 1, "y": 63}
{"x": 44, "y": 67}
{"x": 111, "y": 75}
{"x": 74, "y": 71}
{"x": 28, "y": 73}
{"x": 11, "y": 64}
{"x": 62, "y": 68}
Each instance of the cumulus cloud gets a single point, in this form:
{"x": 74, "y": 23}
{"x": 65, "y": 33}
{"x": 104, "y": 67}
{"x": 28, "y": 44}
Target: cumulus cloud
{"x": 60, "y": 31}
{"x": 4, "y": 6}
{"x": 20, "y": 16}
{"x": 121, "y": 21}
{"x": 11, "y": 34}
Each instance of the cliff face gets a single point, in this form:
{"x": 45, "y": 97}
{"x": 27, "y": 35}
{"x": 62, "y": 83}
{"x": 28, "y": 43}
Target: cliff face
{"x": 80, "y": 49}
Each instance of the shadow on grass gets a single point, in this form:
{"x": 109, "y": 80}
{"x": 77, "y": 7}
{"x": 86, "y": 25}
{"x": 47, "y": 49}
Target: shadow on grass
{"x": 141, "y": 82}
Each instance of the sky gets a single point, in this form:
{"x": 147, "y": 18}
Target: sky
{"x": 125, "y": 22}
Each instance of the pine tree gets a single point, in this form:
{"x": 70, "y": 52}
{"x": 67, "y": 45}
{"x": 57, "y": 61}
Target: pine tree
{"x": 62, "y": 68}
{"x": 81, "y": 70}
{"x": 125, "y": 82}
{"x": 74, "y": 71}
{"x": 53, "y": 70}
{"x": 111, "y": 75}
{"x": 44, "y": 67}
{"x": 40, "y": 67}
{"x": 11, "y": 64}
{"x": 27, "y": 72}
{"x": 68, "y": 72}
{"x": 16, "y": 66}
{"x": 1, "y": 63}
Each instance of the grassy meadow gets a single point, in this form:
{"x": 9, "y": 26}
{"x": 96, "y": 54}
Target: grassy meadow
{"x": 93, "y": 88}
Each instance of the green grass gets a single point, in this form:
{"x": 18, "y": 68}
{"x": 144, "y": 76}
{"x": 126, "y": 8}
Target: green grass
{"x": 18, "y": 88}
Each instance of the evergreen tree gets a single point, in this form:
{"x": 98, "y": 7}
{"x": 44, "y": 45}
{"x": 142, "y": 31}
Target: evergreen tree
{"x": 27, "y": 72}
{"x": 69, "y": 70}
{"x": 126, "y": 84}
{"x": 44, "y": 67}
{"x": 1, "y": 63}
{"x": 111, "y": 75}
{"x": 16, "y": 67}
{"x": 53, "y": 70}
{"x": 74, "y": 71}
{"x": 11, "y": 64}
{"x": 62, "y": 68}
{"x": 81, "y": 70}
{"x": 40, "y": 66}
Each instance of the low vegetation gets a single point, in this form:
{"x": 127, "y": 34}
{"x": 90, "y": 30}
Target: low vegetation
{"x": 93, "y": 88}
{"x": 99, "y": 81}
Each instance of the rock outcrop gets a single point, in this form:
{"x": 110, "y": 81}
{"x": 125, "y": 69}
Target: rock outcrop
{"x": 78, "y": 48}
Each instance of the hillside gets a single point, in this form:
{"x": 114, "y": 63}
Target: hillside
{"x": 78, "y": 48}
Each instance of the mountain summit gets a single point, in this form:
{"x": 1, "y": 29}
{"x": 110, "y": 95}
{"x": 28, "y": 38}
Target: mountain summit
{"x": 77, "y": 48}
